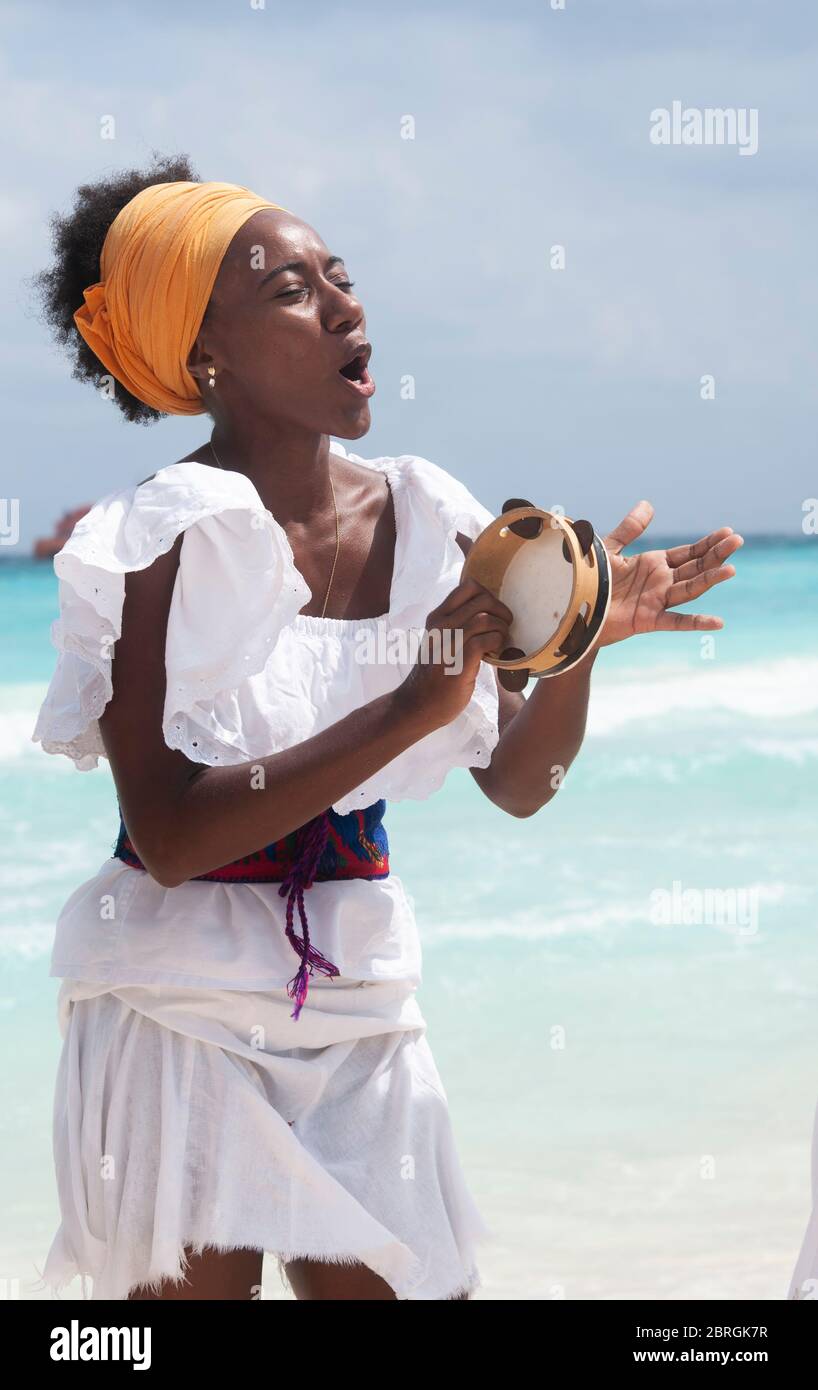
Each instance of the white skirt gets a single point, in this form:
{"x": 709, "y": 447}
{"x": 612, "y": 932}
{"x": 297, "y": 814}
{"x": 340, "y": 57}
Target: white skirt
{"x": 192, "y": 1118}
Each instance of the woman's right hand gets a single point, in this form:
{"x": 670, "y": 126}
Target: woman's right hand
{"x": 469, "y": 624}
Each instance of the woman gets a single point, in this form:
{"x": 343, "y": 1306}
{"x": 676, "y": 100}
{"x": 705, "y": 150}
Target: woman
{"x": 212, "y": 1104}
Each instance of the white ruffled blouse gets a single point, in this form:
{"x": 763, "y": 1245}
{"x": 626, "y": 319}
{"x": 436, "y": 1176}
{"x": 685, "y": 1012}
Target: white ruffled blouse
{"x": 248, "y": 674}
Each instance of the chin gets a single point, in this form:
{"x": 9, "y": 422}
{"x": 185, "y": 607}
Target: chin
{"x": 355, "y": 428}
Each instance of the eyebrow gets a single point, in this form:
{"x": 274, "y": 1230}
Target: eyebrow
{"x": 298, "y": 265}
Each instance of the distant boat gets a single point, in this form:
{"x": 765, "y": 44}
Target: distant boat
{"x": 47, "y": 546}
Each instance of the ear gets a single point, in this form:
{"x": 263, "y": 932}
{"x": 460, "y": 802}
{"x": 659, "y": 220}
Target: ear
{"x": 199, "y": 359}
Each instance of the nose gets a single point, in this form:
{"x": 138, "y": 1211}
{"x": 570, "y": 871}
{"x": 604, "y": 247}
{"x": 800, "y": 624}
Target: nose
{"x": 343, "y": 310}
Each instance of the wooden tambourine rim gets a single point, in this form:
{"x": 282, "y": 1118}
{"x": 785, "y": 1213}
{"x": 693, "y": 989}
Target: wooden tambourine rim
{"x": 603, "y": 598}
{"x": 598, "y": 616}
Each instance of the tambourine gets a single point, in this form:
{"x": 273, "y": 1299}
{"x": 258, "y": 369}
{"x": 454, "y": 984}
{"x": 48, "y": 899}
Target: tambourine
{"x": 555, "y": 576}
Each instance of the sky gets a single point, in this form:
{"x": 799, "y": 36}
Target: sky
{"x": 579, "y": 387}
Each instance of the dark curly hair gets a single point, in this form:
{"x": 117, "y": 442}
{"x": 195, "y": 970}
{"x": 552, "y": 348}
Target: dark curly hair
{"x": 77, "y": 241}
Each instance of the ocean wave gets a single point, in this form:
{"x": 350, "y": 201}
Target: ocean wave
{"x": 785, "y": 688}
{"x": 31, "y": 940}
{"x": 776, "y": 689}
{"x": 612, "y": 764}
{"x": 532, "y": 925}
{"x": 18, "y": 715}
{"x": 795, "y": 750}
{"x": 28, "y": 943}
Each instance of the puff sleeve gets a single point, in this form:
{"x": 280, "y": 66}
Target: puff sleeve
{"x": 236, "y": 588}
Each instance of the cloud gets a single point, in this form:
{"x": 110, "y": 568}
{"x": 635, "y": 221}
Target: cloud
{"x": 531, "y": 130}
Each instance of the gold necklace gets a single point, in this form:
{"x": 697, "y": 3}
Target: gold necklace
{"x": 337, "y": 526}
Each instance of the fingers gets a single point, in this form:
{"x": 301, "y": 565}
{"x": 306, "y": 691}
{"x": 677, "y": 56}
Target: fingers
{"x": 486, "y": 632}
{"x": 469, "y": 597}
{"x": 687, "y": 622}
{"x": 483, "y": 635}
{"x": 683, "y": 554}
{"x": 685, "y": 590}
{"x": 481, "y": 603}
{"x": 630, "y": 528}
{"x": 464, "y": 590}
{"x": 708, "y": 559}
{"x": 480, "y": 631}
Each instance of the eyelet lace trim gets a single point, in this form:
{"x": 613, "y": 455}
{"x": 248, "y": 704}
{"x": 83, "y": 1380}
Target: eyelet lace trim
{"x": 424, "y": 568}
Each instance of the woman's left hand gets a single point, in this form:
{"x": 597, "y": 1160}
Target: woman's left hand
{"x": 646, "y": 587}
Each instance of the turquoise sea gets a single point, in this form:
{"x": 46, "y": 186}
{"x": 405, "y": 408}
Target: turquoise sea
{"x": 632, "y": 1088}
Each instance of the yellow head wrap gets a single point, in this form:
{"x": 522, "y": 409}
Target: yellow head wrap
{"x": 158, "y": 266}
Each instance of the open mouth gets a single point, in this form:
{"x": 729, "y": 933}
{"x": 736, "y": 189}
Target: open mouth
{"x": 356, "y": 373}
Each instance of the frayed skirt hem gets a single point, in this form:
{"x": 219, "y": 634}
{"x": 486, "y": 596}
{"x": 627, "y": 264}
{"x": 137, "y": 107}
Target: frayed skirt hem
{"x": 188, "y": 1120}
{"x": 401, "y": 1275}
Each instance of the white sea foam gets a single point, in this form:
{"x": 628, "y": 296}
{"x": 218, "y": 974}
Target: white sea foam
{"x": 775, "y": 689}
{"x": 19, "y": 707}
{"x": 535, "y": 924}
{"x": 768, "y": 690}
{"x": 796, "y": 750}
{"x": 15, "y": 737}
{"x": 30, "y": 942}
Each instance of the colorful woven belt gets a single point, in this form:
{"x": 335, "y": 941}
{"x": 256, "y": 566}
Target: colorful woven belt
{"x": 328, "y": 847}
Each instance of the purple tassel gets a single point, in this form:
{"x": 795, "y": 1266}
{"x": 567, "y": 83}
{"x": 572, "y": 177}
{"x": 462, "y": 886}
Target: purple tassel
{"x": 305, "y": 865}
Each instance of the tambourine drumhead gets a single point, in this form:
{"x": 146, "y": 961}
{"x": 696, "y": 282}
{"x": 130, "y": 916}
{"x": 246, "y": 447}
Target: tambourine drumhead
{"x": 537, "y": 586}
{"x": 556, "y": 583}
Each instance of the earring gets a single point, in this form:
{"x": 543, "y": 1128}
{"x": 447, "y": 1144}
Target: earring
{"x": 211, "y": 372}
